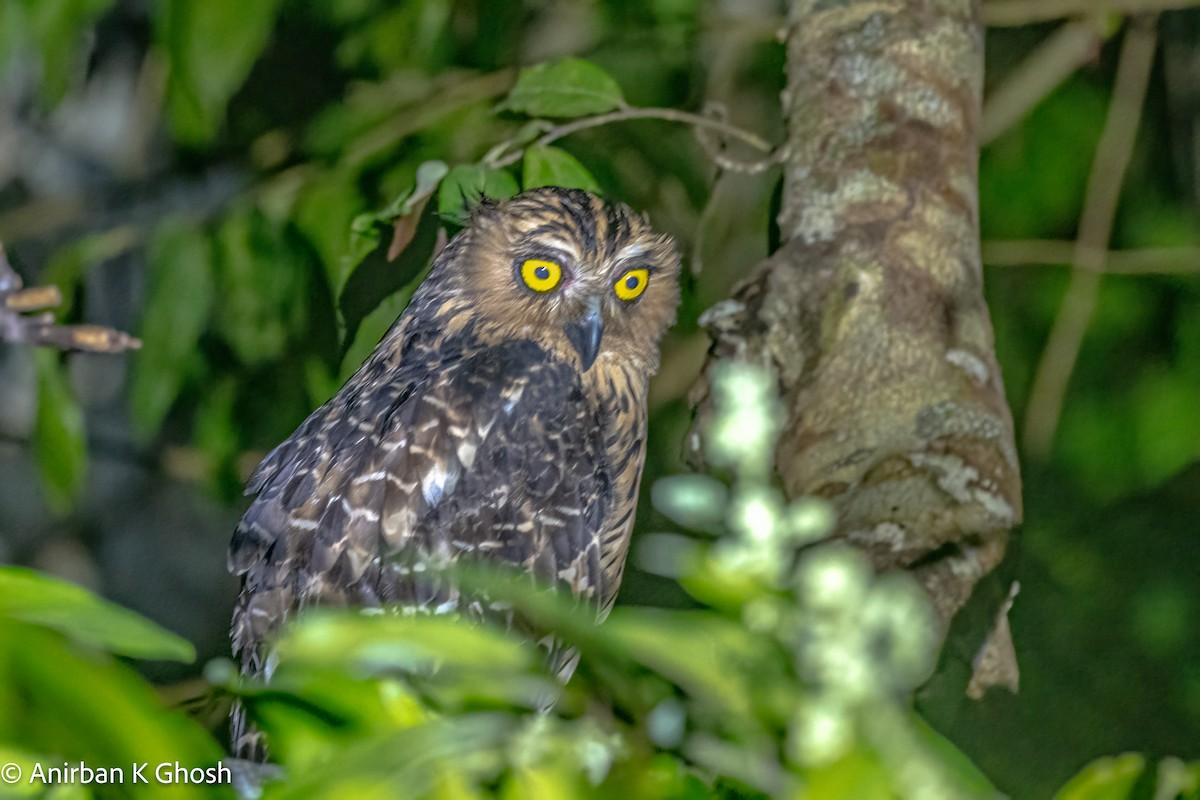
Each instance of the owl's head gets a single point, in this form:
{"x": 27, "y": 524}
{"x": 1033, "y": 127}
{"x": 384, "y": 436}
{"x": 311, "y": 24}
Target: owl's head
{"x": 589, "y": 280}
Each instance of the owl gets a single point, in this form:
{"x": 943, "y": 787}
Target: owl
{"x": 501, "y": 418}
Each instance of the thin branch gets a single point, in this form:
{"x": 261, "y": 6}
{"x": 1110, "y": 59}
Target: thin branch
{"x": 697, "y": 121}
{"x": 1051, "y": 63}
{"x": 40, "y": 329}
{"x": 1113, "y": 154}
{"x": 998, "y": 13}
{"x": 1043, "y": 252}
{"x": 1014, "y": 13}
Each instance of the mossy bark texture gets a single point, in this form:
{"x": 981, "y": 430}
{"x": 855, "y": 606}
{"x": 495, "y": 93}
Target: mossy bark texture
{"x": 871, "y": 313}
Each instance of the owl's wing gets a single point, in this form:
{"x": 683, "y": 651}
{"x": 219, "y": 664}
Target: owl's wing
{"x": 495, "y": 455}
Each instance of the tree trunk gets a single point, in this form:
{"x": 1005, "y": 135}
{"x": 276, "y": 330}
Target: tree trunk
{"x": 871, "y": 313}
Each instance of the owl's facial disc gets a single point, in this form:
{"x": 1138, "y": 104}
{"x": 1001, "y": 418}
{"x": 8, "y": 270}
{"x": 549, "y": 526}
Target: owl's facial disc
{"x": 585, "y": 334}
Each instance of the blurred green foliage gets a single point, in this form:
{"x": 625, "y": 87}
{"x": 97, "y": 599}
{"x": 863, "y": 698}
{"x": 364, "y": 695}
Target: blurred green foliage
{"x": 65, "y": 697}
{"x": 793, "y": 684}
{"x": 568, "y": 88}
{"x": 355, "y": 124}
{"x": 53, "y": 28}
{"x": 1130, "y": 421}
{"x": 212, "y": 45}
{"x": 58, "y": 435}
{"x": 785, "y": 682}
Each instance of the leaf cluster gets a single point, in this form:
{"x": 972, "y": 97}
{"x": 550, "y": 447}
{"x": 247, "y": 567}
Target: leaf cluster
{"x": 783, "y": 682}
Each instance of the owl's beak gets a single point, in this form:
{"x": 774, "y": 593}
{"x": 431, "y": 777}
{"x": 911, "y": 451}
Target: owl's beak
{"x": 585, "y": 336}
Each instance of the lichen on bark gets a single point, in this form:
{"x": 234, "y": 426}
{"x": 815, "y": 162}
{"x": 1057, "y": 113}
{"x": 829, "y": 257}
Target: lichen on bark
{"x": 871, "y": 312}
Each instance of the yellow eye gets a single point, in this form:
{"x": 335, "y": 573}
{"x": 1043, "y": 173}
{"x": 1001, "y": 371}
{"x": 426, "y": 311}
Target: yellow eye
{"x": 632, "y": 284}
{"x": 541, "y": 276}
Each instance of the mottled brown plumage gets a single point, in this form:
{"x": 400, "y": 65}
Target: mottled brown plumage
{"x": 492, "y": 421}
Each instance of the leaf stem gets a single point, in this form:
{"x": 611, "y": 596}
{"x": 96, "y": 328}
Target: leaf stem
{"x": 669, "y": 114}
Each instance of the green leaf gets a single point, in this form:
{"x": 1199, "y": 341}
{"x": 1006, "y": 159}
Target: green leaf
{"x": 439, "y": 759}
{"x": 82, "y": 706}
{"x": 467, "y": 184}
{"x": 324, "y": 213}
{"x": 177, "y": 308}
{"x": 370, "y": 331}
{"x": 383, "y": 644}
{"x": 965, "y": 777}
{"x": 38, "y": 599}
{"x": 1030, "y": 162}
{"x": 377, "y": 278}
{"x": 429, "y": 175}
{"x": 216, "y": 434}
{"x": 568, "y": 88}
{"x": 550, "y": 166}
{"x": 693, "y": 649}
{"x": 263, "y": 285}
{"x": 370, "y": 272}
{"x": 59, "y": 436}
{"x": 402, "y": 215}
{"x": 210, "y": 47}
{"x": 727, "y": 589}
{"x": 56, "y": 28}
{"x": 343, "y": 676}
{"x": 1110, "y": 778}
{"x": 407, "y": 37}
{"x": 1178, "y": 779}
{"x": 309, "y": 712}
{"x": 858, "y": 774}
{"x": 1165, "y": 423}
{"x": 28, "y": 786}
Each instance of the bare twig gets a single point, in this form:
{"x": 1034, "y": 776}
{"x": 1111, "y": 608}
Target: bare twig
{"x": 698, "y": 121}
{"x": 1054, "y": 60}
{"x": 40, "y": 329}
{"x": 1095, "y": 228}
{"x": 1042, "y": 252}
{"x": 1014, "y": 13}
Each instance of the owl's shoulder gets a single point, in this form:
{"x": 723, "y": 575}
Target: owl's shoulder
{"x": 426, "y": 403}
